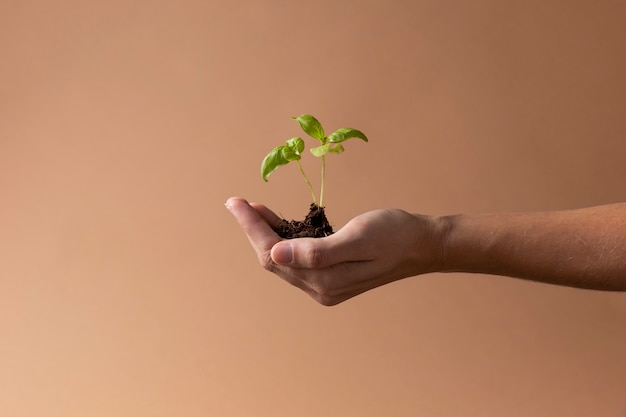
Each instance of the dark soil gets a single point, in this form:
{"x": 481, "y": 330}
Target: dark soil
{"x": 315, "y": 224}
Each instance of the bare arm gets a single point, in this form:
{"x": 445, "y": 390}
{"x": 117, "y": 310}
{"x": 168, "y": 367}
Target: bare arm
{"x": 583, "y": 248}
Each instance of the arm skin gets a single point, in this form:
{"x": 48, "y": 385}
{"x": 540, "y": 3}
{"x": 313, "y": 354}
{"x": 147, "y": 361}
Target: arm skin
{"x": 583, "y": 248}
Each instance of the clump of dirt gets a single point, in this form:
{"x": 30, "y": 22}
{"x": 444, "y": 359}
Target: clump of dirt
{"x": 315, "y": 224}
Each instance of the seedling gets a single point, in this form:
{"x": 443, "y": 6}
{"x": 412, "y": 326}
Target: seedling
{"x": 293, "y": 148}
{"x": 292, "y": 151}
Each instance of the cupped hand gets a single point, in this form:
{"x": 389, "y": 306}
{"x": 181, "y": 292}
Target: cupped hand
{"x": 372, "y": 249}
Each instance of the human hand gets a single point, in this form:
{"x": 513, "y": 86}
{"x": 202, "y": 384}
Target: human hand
{"x": 373, "y": 249}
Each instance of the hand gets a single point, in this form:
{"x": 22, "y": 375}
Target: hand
{"x": 371, "y": 250}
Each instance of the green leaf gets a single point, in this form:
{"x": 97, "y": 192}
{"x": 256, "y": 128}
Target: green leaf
{"x": 289, "y": 155}
{"x": 273, "y": 161}
{"x": 311, "y": 126}
{"x": 320, "y": 150}
{"x": 344, "y": 134}
{"x": 336, "y": 148}
{"x": 282, "y": 155}
{"x": 328, "y": 148}
{"x": 295, "y": 144}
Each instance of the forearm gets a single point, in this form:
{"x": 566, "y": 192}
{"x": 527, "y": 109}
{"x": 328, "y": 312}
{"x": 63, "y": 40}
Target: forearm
{"x": 583, "y": 248}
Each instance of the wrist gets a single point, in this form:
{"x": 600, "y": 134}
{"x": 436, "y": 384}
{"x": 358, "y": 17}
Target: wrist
{"x": 451, "y": 242}
{"x": 429, "y": 253}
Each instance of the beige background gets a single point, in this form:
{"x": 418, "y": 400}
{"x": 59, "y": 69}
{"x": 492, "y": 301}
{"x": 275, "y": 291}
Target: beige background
{"x": 126, "y": 289}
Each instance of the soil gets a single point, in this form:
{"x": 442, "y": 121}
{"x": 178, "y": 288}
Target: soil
{"x": 315, "y": 224}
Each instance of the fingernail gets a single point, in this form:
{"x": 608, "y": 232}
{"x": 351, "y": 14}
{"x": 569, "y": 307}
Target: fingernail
{"x": 227, "y": 205}
{"x": 282, "y": 253}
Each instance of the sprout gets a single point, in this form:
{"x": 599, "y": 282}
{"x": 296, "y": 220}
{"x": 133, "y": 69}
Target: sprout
{"x": 293, "y": 148}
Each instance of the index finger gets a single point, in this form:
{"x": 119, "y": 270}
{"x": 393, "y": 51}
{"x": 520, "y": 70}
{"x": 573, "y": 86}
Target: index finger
{"x": 260, "y": 234}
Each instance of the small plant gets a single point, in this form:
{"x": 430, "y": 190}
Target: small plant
{"x": 292, "y": 151}
{"x": 293, "y": 148}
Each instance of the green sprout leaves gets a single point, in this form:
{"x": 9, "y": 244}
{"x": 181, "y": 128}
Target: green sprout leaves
{"x": 332, "y": 143}
{"x": 328, "y": 148}
{"x": 311, "y": 126}
{"x": 345, "y": 133}
{"x": 293, "y": 148}
{"x": 282, "y": 155}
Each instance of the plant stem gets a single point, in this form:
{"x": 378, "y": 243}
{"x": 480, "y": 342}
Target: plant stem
{"x": 323, "y": 176}
{"x": 307, "y": 182}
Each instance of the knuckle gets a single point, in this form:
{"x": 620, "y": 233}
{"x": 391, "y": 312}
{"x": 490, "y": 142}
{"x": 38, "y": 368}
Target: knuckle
{"x": 314, "y": 257}
{"x": 266, "y": 262}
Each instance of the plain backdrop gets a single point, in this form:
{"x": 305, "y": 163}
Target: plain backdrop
{"x": 126, "y": 288}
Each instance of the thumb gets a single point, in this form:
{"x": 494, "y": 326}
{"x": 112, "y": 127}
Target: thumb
{"x": 314, "y": 253}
